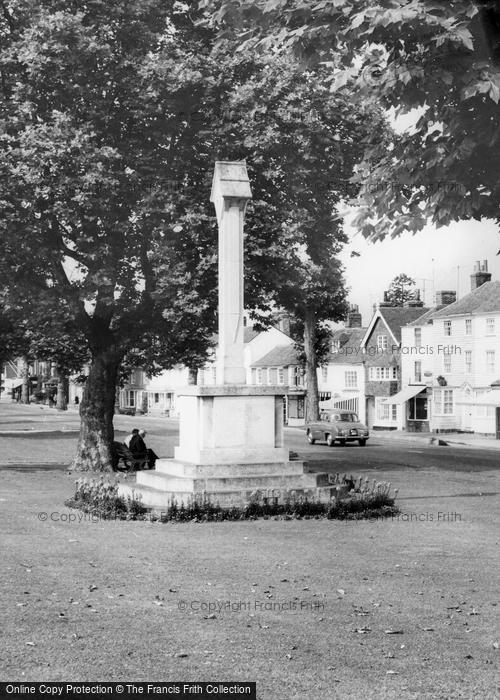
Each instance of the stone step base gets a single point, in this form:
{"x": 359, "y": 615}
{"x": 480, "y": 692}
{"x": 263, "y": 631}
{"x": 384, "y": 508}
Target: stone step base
{"x": 160, "y": 500}
{"x": 244, "y": 482}
{"x": 174, "y": 467}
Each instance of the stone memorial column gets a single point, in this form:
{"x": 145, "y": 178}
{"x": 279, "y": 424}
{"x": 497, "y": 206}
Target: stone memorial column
{"x": 230, "y": 194}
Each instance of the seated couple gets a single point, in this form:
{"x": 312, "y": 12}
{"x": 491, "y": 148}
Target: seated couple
{"x": 136, "y": 445}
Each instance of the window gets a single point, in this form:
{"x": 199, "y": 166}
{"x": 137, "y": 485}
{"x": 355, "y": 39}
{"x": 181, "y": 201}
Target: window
{"x": 383, "y": 411}
{"x": 335, "y": 345}
{"x": 296, "y": 376}
{"x": 156, "y": 397}
{"x": 259, "y": 375}
{"x": 468, "y": 326}
{"x": 387, "y": 411}
{"x": 443, "y": 402}
{"x": 130, "y": 398}
{"x": 272, "y": 375}
{"x": 324, "y": 372}
{"x": 447, "y": 327}
{"x": 448, "y": 401}
{"x": 418, "y": 337}
{"x": 296, "y": 407}
{"x": 351, "y": 379}
{"x": 468, "y": 361}
{"x": 490, "y": 361}
{"x": 447, "y": 362}
{"x": 380, "y": 374}
{"x": 281, "y": 375}
{"x": 490, "y": 326}
{"x": 418, "y": 371}
{"x": 382, "y": 342}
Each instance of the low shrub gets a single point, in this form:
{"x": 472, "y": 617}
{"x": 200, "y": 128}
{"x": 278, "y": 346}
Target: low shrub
{"x": 100, "y": 498}
{"x": 357, "y": 500}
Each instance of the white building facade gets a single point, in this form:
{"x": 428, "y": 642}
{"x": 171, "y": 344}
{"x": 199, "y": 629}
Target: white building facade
{"x": 455, "y": 378}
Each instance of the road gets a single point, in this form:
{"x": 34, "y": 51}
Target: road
{"x": 386, "y": 454}
{"x": 30, "y": 436}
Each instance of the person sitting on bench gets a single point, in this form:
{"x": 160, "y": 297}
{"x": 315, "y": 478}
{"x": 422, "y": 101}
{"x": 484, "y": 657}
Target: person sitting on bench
{"x": 151, "y": 454}
{"x": 138, "y": 447}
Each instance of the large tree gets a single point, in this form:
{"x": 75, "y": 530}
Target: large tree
{"x": 438, "y": 61}
{"x": 100, "y": 179}
{"x": 302, "y": 143}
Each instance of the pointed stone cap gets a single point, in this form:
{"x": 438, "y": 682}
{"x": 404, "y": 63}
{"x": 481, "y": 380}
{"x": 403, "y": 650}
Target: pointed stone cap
{"x": 230, "y": 181}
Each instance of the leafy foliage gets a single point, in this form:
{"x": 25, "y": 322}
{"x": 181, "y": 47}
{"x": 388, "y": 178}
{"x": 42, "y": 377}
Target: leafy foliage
{"x": 400, "y": 290}
{"x": 100, "y": 498}
{"x": 437, "y": 62}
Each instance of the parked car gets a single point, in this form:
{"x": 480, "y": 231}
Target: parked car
{"x": 337, "y": 426}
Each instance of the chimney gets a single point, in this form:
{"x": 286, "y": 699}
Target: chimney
{"x": 480, "y": 275}
{"x": 415, "y": 302}
{"x": 354, "y": 317}
{"x": 386, "y": 301}
{"x": 445, "y": 297}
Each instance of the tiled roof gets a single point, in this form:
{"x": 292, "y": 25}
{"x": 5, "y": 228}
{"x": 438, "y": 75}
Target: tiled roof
{"x": 425, "y": 318}
{"x": 249, "y": 333}
{"x": 280, "y": 356}
{"x": 484, "y": 299}
{"x": 397, "y": 316}
{"x": 349, "y": 346}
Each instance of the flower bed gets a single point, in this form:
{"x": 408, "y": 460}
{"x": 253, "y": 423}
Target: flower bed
{"x": 356, "y": 500}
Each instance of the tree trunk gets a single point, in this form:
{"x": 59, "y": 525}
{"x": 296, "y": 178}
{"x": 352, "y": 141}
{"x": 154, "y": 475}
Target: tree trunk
{"x": 25, "y": 376}
{"x": 96, "y": 413}
{"x": 62, "y": 392}
{"x": 312, "y": 395}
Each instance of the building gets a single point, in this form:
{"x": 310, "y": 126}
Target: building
{"x": 381, "y": 348}
{"x": 158, "y": 394}
{"x": 417, "y": 368}
{"x": 451, "y": 377}
{"x": 281, "y": 366}
{"x": 341, "y": 379}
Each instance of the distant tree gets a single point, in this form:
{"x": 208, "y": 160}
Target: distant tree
{"x": 401, "y": 290}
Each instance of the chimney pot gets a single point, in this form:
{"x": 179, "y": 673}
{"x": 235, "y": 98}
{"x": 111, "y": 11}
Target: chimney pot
{"x": 480, "y": 275}
{"x": 445, "y": 297}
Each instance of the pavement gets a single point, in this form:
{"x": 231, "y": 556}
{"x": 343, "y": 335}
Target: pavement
{"x": 455, "y": 439}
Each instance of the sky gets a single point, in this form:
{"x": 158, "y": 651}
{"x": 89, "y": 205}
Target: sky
{"x": 437, "y": 259}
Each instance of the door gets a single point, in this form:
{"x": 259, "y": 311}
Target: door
{"x": 370, "y": 412}
{"x": 467, "y": 417}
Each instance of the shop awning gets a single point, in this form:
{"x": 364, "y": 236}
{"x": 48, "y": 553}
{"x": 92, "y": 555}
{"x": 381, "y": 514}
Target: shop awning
{"x": 405, "y": 394}
{"x": 10, "y": 384}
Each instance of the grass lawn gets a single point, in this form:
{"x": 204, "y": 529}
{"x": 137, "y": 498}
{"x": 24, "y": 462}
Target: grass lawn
{"x": 309, "y": 603}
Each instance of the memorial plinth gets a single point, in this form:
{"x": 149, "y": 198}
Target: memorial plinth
{"x": 231, "y": 434}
